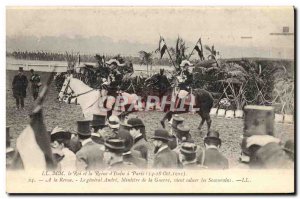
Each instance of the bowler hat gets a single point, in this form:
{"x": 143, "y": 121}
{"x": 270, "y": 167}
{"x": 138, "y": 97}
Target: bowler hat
{"x": 83, "y": 127}
{"x": 188, "y": 148}
{"x": 213, "y": 135}
{"x": 161, "y": 134}
{"x": 59, "y": 134}
{"x": 135, "y": 122}
{"x": 98, "y": 120}
{"x": 177, "y": 120}
{"x": 21, "y": 69}
{"x": 115, "y": 145}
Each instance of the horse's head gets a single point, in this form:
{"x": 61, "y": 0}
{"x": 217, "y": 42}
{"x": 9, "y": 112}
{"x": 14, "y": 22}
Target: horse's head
{"x": 66, "y": 91}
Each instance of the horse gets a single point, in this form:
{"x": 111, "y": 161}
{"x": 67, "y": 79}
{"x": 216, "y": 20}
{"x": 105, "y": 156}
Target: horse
{"x": 96, "y": 101}
{"x": 199, "y": 99}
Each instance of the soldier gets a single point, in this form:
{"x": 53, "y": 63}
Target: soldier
{"x": 211, "y": 157}
{"x": 164, "y": 156}
{"x": 137, "y": 130}
{"x": 97, "y": 124}
{"x": 113, "y": 155}
{"x": 188, "y": 155}
{"x": 19, "y": 86}
{"x": 185, "y": 77}
{"x": 133, "y": 157}
{"x": 90, "y": 156}
{"x": 35, "y": 80}
{"x": 60, "y": 140}
{"x": 182, "y": 133}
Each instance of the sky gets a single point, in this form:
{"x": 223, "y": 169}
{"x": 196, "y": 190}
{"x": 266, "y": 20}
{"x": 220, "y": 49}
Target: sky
{"x": 134, "y": 28}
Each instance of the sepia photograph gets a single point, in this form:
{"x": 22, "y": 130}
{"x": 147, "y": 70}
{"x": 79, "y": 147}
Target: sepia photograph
{"x": 186, "y": 100}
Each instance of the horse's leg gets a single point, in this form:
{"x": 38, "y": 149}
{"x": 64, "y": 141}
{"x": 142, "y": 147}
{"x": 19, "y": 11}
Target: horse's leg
{"x": 208, "y": 122}
{"x": 167, "y": 116}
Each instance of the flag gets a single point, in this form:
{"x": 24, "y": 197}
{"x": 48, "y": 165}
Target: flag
{"x": 33, "y": 145}
{"x": 199, "y": 49}
{"x": 33, "y": 150}
{"x": 162, "y": 47}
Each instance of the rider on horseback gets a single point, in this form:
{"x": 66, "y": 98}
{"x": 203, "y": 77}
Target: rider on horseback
{"x": 184, "y": 76}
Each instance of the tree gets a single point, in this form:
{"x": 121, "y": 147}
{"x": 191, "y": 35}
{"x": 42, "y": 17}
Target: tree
{"x": 146, "y": 59}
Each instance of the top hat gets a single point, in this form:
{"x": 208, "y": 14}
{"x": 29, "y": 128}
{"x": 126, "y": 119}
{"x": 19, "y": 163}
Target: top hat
{"x": 98, "y": 120}
{"x": 21, "y": 69}
{"x": 83, "y": 127}
{"x": 161, "y": 134}
{"x": 188, "y": 148}
{"x": 115, "y": 145}
{"x": 185, "y": 63}
{"x": 128, "y": 139}
{"x": 177, "y": 120}
{"x": 213, "y": 135}
{"x": 59, "y": 134}
{"x": 114, "y": 122}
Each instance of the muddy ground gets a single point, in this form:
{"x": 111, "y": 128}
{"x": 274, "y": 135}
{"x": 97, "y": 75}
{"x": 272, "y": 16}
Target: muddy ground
{"x": 66, "y": 115}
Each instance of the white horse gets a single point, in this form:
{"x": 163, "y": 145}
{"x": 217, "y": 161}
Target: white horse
{"x": 92, "y": 100}
{"x": 88, "y": 98}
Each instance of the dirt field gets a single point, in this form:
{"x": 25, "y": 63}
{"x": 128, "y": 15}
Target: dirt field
{"x": 66, "y": 115}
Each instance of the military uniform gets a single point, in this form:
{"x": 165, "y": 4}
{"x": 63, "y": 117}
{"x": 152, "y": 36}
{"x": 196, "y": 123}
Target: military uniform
{"x": 35, "y": 80}
{"x": 19, "y": 86}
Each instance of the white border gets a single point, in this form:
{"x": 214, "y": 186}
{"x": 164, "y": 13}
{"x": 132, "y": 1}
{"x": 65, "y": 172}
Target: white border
{"x": 5, "y": 3}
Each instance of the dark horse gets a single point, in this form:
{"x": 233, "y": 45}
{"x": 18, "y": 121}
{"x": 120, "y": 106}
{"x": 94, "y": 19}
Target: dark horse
{"x": 203, "y": 99}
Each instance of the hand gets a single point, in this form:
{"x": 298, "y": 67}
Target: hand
{"x": 261, "y": 140}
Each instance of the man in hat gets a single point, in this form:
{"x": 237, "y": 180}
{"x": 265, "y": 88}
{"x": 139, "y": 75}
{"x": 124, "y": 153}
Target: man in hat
{"x": 164, "y": 156}
{"x": 60, "y": 140}
{"x": 188, "y": 151}
{"x": 266, "y": 152}
{"x": 90, "y": 156}
{"x": 113, "y": 155}
{"x": 97, "y": 124}
{"x": 211, "y": 157}
{"x": 35, "y": 80}
{"x": 19, "y": 86}
{"x": 175, "y": 121}
{"x": 185, "y": 77}
{"x": 114, "y": 124}
{"x": 133, "y": 157}
{"x": 137, "y": 130}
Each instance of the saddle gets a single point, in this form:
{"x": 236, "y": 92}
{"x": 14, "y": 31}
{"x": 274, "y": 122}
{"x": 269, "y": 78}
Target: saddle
{"x": 188, "y": 98}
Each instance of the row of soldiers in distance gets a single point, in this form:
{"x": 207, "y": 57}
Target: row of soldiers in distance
{"x": 125, "y": 146}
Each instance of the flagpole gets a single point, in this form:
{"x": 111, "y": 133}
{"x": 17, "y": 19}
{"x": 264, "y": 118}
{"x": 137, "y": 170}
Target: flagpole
{"x": 169, "y": 53}
{"x": 193, "y": 49}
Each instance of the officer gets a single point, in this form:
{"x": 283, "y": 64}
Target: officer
{"x": 19, "y": 86}
{"x": 188, "y": 155}
{"x": 35, "y": 80}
